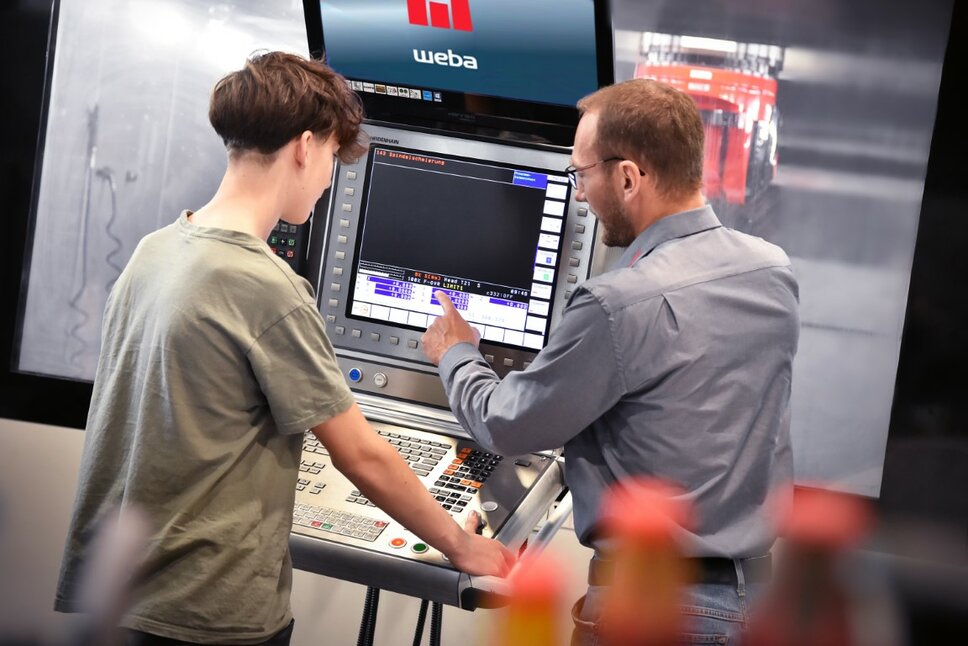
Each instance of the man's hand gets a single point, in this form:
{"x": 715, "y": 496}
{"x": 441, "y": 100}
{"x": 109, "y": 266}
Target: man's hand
{"x": 447, "y": 331}
{"x": 480, "y": 556}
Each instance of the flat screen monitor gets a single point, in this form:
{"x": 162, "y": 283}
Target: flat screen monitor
{"x": 494, "y": 225}
{"x": 483, "y": 63}
{"x": 489, "y": 235}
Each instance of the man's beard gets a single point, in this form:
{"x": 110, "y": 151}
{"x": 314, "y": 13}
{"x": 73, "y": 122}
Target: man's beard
{"x": 617, "y": 231}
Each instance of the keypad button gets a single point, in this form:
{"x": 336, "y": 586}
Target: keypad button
{"x": 351, "y": 174}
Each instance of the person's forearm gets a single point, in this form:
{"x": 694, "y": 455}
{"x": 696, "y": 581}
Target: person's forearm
{"x": 386, "y": 479}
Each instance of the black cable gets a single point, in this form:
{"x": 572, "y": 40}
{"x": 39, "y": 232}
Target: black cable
{"x": 366, "y": 620}
{"x": 371, "y": 633}
{"x": 436, "y": 618}
{"x": 421, "y": 620}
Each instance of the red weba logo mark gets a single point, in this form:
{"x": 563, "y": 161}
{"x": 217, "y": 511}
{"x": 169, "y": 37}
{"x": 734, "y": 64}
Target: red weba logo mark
{"x": 440, "y": 14}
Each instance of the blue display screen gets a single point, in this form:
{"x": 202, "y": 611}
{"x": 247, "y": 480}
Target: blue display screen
{"x": 540, "y": 51}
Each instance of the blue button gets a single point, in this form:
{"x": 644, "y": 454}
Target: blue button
{"x": 355, "y": 374}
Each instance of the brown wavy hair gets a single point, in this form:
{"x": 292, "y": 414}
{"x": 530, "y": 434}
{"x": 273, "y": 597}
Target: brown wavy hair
{"x": 276, "y": 97}
{"x": 654, "y": 125}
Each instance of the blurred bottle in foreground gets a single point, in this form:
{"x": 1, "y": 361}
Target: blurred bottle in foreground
{"x": 814, "y": 598}
{"x": 536, "y": 588}
{"x": 640, "y": 518}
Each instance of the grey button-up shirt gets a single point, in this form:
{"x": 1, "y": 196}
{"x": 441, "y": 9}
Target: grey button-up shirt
{"x": 675, "y": 364}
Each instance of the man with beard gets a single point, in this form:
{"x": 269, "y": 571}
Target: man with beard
{"x": 675, "y": 364}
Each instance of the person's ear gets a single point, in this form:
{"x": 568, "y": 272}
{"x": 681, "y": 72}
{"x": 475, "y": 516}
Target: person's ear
{"x": 632, "y": 178}
{"x": 302, "y": 147}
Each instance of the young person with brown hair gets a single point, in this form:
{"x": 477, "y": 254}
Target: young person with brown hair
{"x": 214, "y": 362}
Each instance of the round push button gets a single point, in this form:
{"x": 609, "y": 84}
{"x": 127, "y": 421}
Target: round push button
{"x": 380, "y": 380}
{"x": 490, "y": 505}
{"x": 355, "y": 374}
{"x": 397, "y": 543}
{"x": 419, "y": 548}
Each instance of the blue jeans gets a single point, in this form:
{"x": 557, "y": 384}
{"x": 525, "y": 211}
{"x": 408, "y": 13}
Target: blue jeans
{"x": 713, "y": 613}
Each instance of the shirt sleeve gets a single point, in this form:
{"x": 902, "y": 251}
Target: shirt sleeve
{"x": 571, "y": 382}
{"x": 296, "y": 368}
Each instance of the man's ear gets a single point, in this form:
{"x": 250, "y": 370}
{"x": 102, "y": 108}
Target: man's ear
{"x": 632, "y": 180}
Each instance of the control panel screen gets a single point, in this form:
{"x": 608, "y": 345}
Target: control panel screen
{"x": 486, "y": 233}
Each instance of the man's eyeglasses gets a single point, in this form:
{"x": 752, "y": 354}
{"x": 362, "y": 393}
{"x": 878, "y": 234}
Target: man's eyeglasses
{"x": 573, "y": 171}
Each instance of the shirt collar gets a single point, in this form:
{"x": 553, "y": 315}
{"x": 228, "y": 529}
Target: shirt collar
{"x": 677, "y": 225}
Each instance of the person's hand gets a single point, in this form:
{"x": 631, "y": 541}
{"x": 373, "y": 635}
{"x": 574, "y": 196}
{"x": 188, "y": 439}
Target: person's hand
{"x": 447, "y": 331}
{"x": 480, "y": 556}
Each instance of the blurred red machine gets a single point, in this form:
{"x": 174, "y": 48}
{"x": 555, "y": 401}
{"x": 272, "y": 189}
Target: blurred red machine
{"x": 734, "y": 86}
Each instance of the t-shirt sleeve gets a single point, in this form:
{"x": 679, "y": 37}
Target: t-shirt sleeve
{"x": 296, "y": 368}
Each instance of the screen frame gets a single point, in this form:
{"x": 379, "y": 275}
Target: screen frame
{"x": 493, "y": 116}
{"x": 25, "y": 396}
{"x": 354, "y": 272}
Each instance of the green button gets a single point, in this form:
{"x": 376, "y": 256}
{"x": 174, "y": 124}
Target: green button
{"x": 419, "y": 548}
{"x": 327, "y": 526}
{"x": 292, "y": 242}
{"x": 273, "y": 239}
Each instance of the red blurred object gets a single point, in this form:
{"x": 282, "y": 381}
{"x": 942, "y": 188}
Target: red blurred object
{"x": 809, "y": 603}
{"x": 734, "y": 86}
{"x": 641, "y": 606}
{"x": 535, "y": 596}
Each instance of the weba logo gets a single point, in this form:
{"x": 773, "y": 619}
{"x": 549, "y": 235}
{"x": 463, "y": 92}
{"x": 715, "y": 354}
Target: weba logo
{"x": 440, "y": 16}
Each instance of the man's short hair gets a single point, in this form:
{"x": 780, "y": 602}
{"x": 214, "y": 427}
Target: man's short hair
{"x": 654, "y": 125}
{"x": 278, "y": 96}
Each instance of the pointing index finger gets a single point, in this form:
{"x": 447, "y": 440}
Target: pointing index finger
{"x": 444, "y": 301}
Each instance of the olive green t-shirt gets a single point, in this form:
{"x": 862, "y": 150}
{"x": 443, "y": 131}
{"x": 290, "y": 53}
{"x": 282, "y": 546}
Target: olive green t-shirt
{"x": 214, "y": 361}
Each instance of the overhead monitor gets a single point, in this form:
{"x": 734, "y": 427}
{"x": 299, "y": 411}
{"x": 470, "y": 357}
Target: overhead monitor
{"x": 470, "y": 63}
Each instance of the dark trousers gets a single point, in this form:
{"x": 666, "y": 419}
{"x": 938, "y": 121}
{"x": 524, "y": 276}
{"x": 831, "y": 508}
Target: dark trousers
{"x": 136, "y": 638}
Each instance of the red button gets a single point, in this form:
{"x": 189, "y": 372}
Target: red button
{"x": 397, "y": 543}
